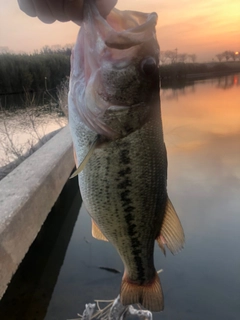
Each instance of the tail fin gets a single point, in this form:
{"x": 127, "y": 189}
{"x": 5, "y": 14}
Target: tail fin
{"x": 150, "y": 296}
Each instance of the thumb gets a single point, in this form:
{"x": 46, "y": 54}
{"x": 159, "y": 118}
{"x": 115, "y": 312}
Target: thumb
{"x": 105, "y": 6}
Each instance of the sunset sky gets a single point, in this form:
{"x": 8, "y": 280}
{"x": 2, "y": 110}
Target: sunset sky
{"x": 203, "y": 27}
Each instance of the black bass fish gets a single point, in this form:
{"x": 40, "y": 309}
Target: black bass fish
{"x": 115, "y": 122}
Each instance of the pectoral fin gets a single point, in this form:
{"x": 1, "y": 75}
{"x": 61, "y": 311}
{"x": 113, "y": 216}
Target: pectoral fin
{"x": 171, "y": 234}
{"x": 97, "y": 233}
{"x": 86, "y": 158}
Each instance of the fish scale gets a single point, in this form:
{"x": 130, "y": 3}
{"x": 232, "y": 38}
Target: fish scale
{"x": 120, "y": 202}
{"x": 115, "y": 122}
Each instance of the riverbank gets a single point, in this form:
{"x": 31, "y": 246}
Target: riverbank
{"x": 23, "y": 211}
{"x": 185, "y": 72}
{"x": 6, "y": 169}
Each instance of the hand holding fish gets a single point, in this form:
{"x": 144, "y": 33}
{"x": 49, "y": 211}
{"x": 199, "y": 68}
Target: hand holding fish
{"x": 48, "y": 11}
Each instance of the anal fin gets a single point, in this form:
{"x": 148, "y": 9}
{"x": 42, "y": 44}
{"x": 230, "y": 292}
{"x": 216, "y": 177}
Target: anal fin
{"x": 97, "y": 233}
{"x": 171, "y": 234}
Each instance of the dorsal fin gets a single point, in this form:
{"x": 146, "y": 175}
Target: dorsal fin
{"x": 97, "y": 233}
{"x": 171, "y": 233}
{"x": 86, "y": 158}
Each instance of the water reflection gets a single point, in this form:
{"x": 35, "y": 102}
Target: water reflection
{"x": 202, "y": 133}
{"x": 16, "y": 100}
{"x": 187, "y": 87}
{"x": 228, "y": 82}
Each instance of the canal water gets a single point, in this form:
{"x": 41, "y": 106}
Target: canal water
{"x": 62, "y": 270}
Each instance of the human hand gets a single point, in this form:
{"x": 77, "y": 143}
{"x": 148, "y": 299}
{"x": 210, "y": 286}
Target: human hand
{"x": 49, "y": 11}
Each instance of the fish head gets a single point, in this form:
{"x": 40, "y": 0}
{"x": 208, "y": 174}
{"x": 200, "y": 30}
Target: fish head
{"x": 128, "y": 75}
{"x": 115, "y": 74}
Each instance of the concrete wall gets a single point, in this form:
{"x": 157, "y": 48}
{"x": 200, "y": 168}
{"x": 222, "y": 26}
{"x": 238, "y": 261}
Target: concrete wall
{"x": 27, "y": 195}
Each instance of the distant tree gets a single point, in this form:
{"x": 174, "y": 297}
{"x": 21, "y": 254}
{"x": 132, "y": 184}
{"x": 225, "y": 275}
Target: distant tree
{"x": 220, "y": 57}
{"x": 163, "y": 57}
{"x": 56, "y": 47}
{"x": 4, "y": 50}
{"x": 171, "y": 56}
{"x": 182, "y": 57}
{"x": 192, "y": 57}
{"x": 232, "y": 55}
{"x": 46, "y": 50}
{"x": 68, "y": 46}
{"x": 67, "y": 49}
{"x": 227, "y": 55}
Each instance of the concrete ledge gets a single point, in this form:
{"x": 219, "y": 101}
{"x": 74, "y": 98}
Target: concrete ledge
{"x": 27, "y": 195}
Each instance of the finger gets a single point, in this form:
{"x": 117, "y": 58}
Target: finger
{"x": 57, "y": 9}
{"x": 27, "y": 7}
{"x": 43, "y": 11}
{"x": 74, "y": 10}
{"x": 105, "y": 6}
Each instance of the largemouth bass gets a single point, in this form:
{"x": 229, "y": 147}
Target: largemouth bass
{"x": 115, "y": 122}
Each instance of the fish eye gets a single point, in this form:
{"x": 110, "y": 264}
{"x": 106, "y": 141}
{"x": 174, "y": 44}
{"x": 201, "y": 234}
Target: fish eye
{"x": 148, "y": 66}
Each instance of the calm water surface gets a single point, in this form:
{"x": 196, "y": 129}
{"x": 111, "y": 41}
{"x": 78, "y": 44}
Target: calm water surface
{"x": 202, "y": 133}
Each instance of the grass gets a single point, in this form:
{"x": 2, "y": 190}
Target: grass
{"x": 24, "y": 131}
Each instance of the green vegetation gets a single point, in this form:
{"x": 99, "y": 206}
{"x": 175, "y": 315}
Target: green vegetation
{"x": 23, "y": 131}
{"x": 41, "y": 73}
{"x": 33, "y": 73}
